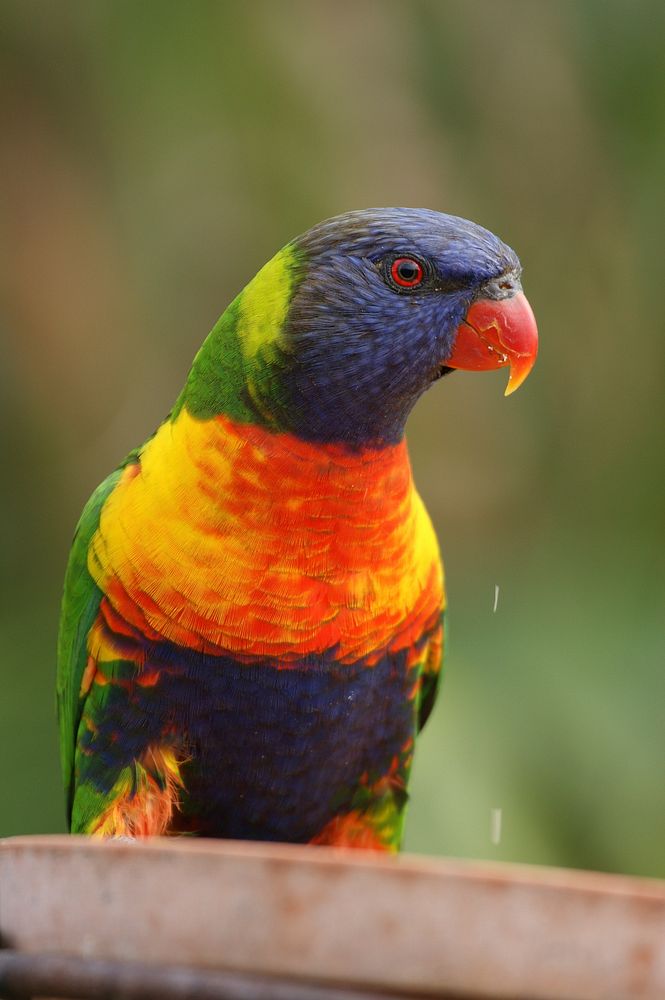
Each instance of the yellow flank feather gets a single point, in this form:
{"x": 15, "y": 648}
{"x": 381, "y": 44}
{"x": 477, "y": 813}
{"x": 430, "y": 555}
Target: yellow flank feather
{"x": 143, "y": 799}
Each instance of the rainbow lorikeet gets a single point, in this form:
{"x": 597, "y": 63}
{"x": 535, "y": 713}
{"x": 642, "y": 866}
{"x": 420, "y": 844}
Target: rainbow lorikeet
{"x": 251, "y": 634}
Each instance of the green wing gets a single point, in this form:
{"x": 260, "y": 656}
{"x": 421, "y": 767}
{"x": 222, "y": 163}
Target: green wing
{"x": 430, "y": 677}
{"x": 80, "y": 604}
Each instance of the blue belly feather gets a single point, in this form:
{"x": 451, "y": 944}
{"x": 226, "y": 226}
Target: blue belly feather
{"x": 271, "y": 753}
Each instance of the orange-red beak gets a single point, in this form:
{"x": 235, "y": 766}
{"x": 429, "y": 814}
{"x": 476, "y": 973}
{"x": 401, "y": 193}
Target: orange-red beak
{"x": 494, "y": 334}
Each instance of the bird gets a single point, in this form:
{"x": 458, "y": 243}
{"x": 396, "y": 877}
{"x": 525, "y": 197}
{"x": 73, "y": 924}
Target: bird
{"x": 252, "y": 626}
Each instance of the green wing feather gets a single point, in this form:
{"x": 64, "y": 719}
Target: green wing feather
{"x": 430, "y": 678}
{"x": 80, "y": 605}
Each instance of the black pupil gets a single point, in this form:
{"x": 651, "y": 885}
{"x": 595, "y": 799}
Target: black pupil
{"x": 408, "y": 270}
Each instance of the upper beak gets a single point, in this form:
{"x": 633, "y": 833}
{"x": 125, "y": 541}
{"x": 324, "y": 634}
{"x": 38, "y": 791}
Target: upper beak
{"x": 497, "y": 332}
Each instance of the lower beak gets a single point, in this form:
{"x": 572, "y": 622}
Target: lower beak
{"x": 497, "y": 333}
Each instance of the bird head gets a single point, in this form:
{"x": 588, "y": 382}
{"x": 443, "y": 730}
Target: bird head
{"x": 341, "y": 332}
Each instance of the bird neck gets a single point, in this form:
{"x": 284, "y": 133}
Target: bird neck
{"x": 300, "y": 488}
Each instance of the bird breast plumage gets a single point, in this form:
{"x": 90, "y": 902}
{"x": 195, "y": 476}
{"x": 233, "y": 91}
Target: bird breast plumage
{"x": 230, "y": 539}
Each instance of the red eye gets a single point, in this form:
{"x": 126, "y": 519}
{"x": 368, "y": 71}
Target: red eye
{"x": 406, "y": 272}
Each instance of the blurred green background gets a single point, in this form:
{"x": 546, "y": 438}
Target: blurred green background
{"x": 154, "y": 155}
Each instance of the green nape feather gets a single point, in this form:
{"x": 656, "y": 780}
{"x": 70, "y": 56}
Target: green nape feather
{"x": 237, "y": 371}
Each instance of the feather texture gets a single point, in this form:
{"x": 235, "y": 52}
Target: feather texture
{"x": 252, "y": 627}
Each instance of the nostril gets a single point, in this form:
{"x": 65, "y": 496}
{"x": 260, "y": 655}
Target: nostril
{"x": 503, "y": 286}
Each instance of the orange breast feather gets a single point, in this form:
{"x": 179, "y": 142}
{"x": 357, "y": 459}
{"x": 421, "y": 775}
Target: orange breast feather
{"x": 230, "y": 539}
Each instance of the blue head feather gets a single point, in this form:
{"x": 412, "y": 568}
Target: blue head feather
{"x": 361, "y": 352}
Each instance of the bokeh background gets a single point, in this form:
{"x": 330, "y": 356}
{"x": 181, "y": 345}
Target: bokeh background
{"x": 154, "y": 155}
